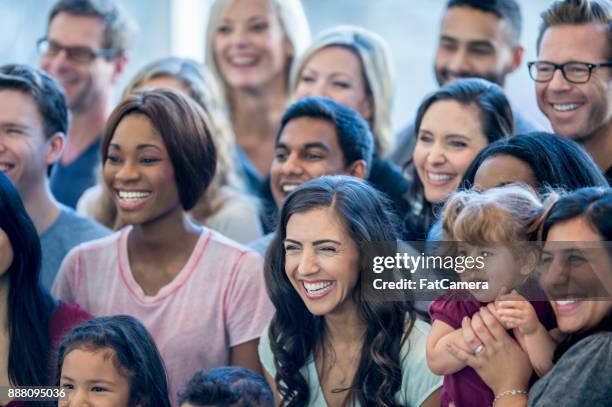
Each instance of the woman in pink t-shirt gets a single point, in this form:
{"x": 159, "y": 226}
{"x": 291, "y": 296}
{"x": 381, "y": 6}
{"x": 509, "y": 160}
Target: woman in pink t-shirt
{"x": 200, "y": 295}
{"x": 34, "y": 321}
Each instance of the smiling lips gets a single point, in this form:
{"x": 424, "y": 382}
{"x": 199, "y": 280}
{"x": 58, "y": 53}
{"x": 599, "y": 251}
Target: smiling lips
{"x": 5, "y": 167}
{"x": 130, "y": 200}
{"x": 565, "y": 107}
{"x": 317, "y": 289}
{"x": 439, "y": 179}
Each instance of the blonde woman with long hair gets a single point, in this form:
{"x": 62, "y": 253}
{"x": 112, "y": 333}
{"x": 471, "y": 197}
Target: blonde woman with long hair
{"x": 250, "y": 47}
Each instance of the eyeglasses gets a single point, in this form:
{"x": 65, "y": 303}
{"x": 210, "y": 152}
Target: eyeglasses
{"x": 574, "y": 72}
{"x": 47, "y": 47}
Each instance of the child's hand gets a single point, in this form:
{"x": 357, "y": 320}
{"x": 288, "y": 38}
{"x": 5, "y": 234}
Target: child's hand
{"x": 514, "y": 311}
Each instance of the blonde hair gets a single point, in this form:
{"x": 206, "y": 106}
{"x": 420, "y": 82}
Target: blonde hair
{"x": 507, "y": 214}
{"x": 203, "y": 89}
{"x": 291, "y": 16}
{"x": 375, "y": 56}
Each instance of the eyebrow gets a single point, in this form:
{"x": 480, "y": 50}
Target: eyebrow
{"x": 14, "y": 124}
{"x": 138, "y": 147}
{"x": 316, "y": 242}
{"x": 314, "y": 144}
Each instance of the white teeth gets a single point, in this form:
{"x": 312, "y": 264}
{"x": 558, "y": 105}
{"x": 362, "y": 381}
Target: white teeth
{"x": 242, "y": 60}
{"x": 566, "y": 107}
{"x": 133, "y": 195}
{"x": 5, "y": 167}
{"x": 565, "y": 302}
{"x": 289, "y": 188}
{"x": 439, "y": 177}
{"x": 317, "y": 287}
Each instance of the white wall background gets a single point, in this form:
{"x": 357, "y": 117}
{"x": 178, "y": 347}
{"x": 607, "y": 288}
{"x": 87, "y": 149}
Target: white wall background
{"x": 177, "y": 26}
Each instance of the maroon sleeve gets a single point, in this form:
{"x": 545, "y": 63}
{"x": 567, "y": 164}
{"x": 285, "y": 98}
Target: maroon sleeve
{"x": 63, "y": 318}
{"x": 545, "y": 314}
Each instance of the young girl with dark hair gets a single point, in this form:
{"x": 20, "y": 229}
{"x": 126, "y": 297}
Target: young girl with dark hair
{"x": 200, "y": 295}
{"x": 111, "y": 361}
{"x": 329, "y": 344}
{"x": 32, "y": 321}
{"x": 452, "y": 126}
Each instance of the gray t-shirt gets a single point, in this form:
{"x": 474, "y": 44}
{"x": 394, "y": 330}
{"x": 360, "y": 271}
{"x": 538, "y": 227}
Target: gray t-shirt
{"x": 68, "y": 231}
{"x": 581, "y": 377}
{"x": 406, "y": 139}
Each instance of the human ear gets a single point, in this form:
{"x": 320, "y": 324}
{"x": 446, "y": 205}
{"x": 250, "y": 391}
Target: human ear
{"x": 55, "y": 145}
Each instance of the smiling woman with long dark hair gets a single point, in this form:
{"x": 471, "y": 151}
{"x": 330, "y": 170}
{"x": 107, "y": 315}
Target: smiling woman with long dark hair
{"x": 328, "y": 342}
{"x": 32, "y": 320}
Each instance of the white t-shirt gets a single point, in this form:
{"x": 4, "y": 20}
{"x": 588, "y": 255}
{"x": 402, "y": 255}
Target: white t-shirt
{"x": 217, "y": 301}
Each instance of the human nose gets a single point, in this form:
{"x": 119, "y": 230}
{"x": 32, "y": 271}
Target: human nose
{"x": 555, "y": 278}
{"x": 54, "y": 62}
{"x": 436, "y": 155}
{"x": 77, "y": 398}
{"x": 308, "y": 263}
{"x": 126, "y": 172}
{"x": 459, "y": 61}
{"x": 558, "y": 82}
{"x": 292, "y": 165}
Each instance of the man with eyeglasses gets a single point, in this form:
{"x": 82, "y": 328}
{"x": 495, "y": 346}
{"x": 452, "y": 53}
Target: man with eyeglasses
{"x": 573, "y": 74}
{"x": 85, "y": 51}
{"x": 478, "y": 38}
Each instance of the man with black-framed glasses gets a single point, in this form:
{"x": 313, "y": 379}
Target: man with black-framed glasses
{"x": 84, "y": 49}
{"x": 573, "y": 74}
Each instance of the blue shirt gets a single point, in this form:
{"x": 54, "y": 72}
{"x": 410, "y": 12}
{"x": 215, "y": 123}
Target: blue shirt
{"x": 69, "y": 182}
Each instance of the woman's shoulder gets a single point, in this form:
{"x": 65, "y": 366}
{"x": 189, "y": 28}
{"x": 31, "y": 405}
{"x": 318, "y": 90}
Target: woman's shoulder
{"x": 596, "y": 344}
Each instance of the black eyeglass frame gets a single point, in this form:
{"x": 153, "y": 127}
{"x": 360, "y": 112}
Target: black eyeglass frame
{"x": 590, "y": 66}
{"x": 93, "y": 55}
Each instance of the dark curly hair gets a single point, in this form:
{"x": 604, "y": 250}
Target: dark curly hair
{"x": 295, "y": 333}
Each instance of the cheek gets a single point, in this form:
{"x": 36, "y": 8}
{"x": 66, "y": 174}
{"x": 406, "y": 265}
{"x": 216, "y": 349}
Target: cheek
{"x": 419, "y": 154}
{"x": 461, "y": 161}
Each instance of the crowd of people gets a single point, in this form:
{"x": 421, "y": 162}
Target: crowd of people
{"x": 203, "y": 240}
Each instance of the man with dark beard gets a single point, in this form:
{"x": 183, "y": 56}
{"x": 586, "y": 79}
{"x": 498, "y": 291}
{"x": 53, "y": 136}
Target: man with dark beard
{"x": 478, "y": 38}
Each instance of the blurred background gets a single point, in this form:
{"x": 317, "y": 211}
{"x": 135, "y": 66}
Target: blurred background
{"x": 176, "y": 27}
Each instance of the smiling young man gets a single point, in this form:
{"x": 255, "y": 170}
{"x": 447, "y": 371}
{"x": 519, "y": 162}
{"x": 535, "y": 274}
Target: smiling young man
{"x": 33, "y": 122}
{"x": 317, "y": 137}
{"x": 573, "y": 74}
{"x": 85, "y": 51}
{"x": 478, "y": 38}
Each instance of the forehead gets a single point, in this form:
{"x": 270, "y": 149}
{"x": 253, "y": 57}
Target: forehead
{"x": 316, "y": 224}
{"x": 240, "y": 10}
{"x": 451, "y": 117}
{"x": 72, "y": 30}
{"x": 19, "y": 107}
{"x": 305, "y": 130}
{"x": 335, "y": 59}
{"x": 468, "y": 24}
{"x": 87, "y": 364}
{"x": 586, "y": 42}
{"x": 135, "y": 129}
{"x": 504, "y": 168}
{"x": 577, "y": 229}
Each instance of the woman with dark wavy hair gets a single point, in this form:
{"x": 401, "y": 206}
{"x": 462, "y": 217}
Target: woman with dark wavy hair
{"x": 32, "y": 321}
{"x": 329, "y": 343}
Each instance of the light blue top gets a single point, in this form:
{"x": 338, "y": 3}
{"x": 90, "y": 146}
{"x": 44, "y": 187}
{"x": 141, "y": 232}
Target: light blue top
{"x": 418, "y": 382}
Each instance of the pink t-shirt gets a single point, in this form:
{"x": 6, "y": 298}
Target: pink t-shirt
{"x": 217, "y": 301}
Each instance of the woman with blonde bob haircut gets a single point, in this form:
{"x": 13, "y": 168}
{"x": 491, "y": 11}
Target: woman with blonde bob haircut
{"x": 250, "y": 47}
{"x": 223, "y": 206}
{"x": 378, "y": 77}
